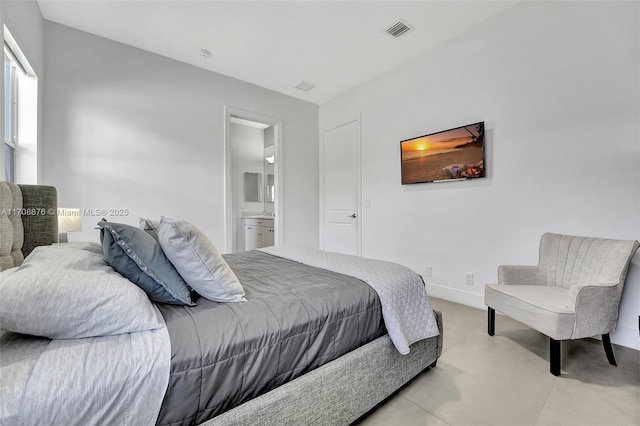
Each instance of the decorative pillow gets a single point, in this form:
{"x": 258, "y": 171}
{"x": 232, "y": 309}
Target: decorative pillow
{"x": 150, "y": 226}
{"x": 198, "y": 261}
{"x": 137, "y": 256}
{"x": 69, "y": 291}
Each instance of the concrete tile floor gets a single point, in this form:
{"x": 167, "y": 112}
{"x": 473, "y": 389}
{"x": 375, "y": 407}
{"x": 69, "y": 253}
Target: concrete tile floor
{"x": 505, "y": 380}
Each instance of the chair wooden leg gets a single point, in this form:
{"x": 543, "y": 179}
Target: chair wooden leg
{"x": 491, "y": 323}
{"x": 606, "y": 342}
{"x": 555, "y": 355}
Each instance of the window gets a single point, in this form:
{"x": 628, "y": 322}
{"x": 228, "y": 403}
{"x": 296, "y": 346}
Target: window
{"x": 19, "y": 151}
{"x": 10, "y": 115}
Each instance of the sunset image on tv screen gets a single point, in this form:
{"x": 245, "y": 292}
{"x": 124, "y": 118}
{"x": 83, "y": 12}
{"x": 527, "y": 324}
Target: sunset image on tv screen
{"x": 452, "y": 154}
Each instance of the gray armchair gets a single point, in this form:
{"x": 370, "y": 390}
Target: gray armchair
{"x": 573, "y": 293}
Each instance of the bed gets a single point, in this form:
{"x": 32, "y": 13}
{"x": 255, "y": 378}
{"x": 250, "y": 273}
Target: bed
{"x": 335, "y": 380}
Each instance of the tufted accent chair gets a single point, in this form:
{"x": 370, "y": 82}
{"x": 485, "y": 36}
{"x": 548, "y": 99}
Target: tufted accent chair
{"x": 573, "y": 293}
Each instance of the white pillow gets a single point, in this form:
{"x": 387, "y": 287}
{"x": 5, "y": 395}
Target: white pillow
{"x": 68, "y": 291}
{"x": 198, "y": 261}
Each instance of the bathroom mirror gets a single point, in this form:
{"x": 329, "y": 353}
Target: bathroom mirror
{"x": 252, "y": 187}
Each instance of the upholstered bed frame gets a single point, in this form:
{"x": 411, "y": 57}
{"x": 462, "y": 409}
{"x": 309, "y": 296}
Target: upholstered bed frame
{"x": 28, "y": 218}
{"x": 337, "y": 393}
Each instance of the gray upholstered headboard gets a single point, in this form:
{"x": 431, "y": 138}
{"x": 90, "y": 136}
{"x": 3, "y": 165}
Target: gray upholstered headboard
{"x": 28, "y": 218}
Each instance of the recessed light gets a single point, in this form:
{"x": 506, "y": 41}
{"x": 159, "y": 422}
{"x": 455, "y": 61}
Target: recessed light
{"x": 306, "y": 86}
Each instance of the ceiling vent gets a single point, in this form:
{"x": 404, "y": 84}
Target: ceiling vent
{"x": 306, "y": 86}
{"x": 399, "y": 28}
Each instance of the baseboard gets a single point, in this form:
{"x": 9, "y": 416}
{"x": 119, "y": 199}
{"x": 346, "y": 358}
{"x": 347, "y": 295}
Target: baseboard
{"x": 623, "y": 336}
{"x": 462, "y": 297}
{"x": 626, "y": 336}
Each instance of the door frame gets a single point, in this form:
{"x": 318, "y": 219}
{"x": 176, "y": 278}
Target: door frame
{"x": 278, "y": 141}
{"x": 333, "y": 126}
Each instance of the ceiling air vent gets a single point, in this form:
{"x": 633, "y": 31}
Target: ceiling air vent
{"x": 399, "y": 28}
{"x": 306, "y": 86}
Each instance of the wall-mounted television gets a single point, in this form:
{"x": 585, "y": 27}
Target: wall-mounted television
{"x": 452, "y": 154}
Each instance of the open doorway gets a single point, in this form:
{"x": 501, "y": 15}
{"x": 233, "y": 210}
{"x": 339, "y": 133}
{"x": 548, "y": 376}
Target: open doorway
{"x": 253, "y": 180}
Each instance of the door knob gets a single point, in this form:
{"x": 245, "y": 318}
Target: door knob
{"x": 353, "y": 216}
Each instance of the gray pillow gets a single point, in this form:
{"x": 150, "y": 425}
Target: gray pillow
{"x": 199, "y": 262}
{"x": 69, "y": 291}
{"x": 137, "y": 256}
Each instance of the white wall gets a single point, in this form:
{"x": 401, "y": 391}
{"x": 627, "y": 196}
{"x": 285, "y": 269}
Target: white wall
{"x": 557, "y": 84}
{"x": 125, "y": 128}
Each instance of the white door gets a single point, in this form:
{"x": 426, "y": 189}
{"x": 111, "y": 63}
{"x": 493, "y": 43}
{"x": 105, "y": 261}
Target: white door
{"x": 340, "y": 173}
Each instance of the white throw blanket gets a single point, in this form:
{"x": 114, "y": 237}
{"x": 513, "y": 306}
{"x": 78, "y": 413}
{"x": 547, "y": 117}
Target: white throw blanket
{"x": 105, "y": 380}
{"x": 405, "y": 306}
{"x": 110, "y": 380}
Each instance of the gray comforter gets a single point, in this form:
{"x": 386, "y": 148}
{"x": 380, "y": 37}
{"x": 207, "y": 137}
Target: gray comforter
{"x": 297, "y": 318}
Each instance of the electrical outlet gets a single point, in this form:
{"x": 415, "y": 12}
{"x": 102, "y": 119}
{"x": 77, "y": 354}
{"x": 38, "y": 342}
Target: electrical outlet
{"x": 428, "y": 271}
{"x": 468, "y": 278}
